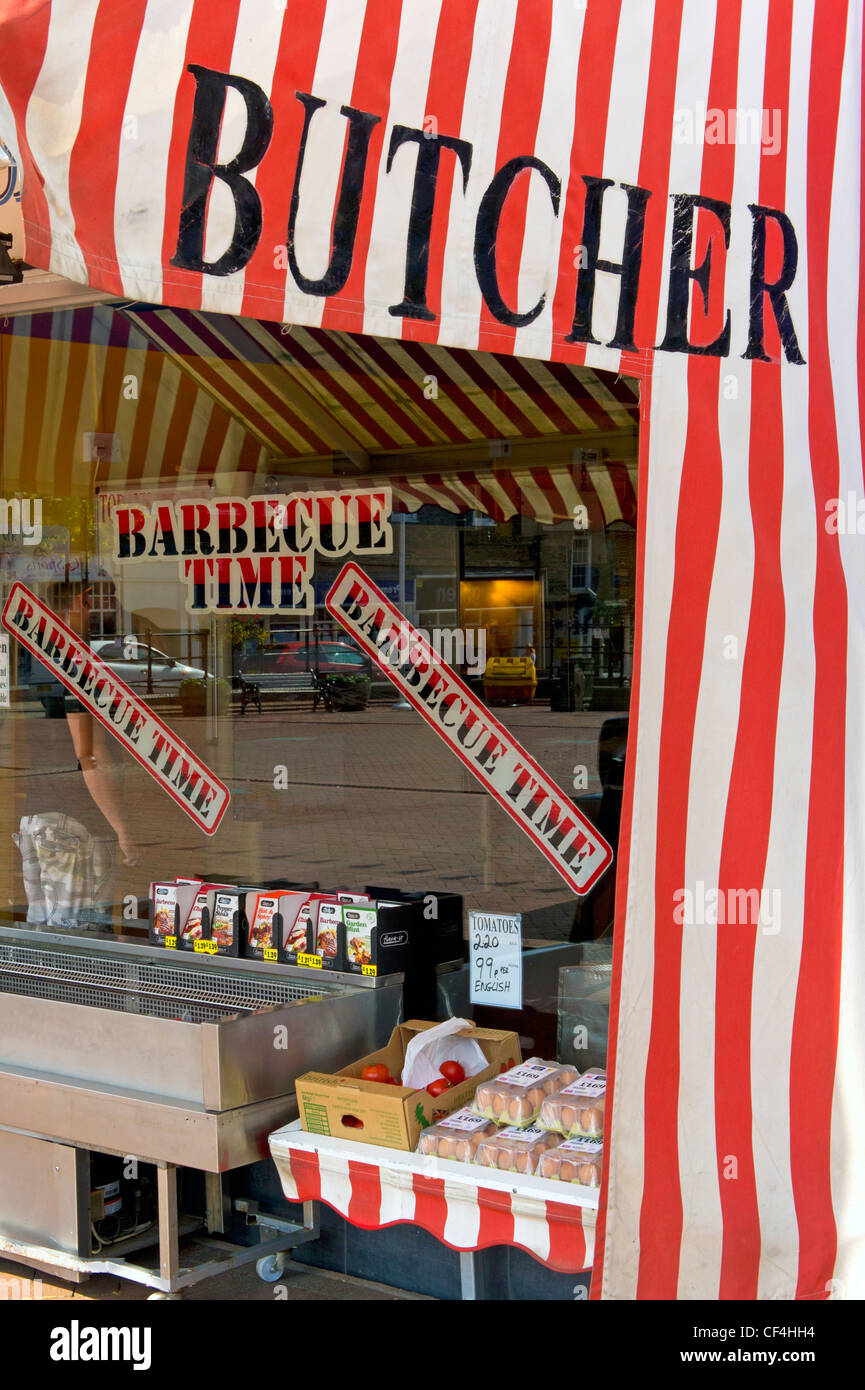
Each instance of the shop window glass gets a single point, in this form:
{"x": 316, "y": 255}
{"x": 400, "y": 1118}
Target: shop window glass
{"x": 486, "y": 557}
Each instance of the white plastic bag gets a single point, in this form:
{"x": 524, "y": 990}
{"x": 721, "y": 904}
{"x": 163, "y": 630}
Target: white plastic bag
{"x": 427, "y": 1050}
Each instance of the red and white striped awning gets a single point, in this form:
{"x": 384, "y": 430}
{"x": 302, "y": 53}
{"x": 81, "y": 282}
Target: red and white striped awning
{"x": 465, "y": 1207}
{"x": 71, "y": 379}
{"x": 307, "y": 391}
{"x": 548, "y": 494}
{"x": 731, "y": 136}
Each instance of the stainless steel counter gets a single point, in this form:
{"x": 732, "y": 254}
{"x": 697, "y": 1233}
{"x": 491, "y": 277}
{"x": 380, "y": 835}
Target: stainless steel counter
{"x": 176, "y": 1061}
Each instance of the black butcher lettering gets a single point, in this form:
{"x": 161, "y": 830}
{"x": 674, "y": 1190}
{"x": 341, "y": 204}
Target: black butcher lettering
{"x": 360, "y": 128}
{"x": 628, "y": 268}
{"x": 487, "y": 230}
{"x": 201, "y": 169}
{"x": 413, "y": 304}
{"x": 760, "y": 286}
{"x": 681, "y": 274}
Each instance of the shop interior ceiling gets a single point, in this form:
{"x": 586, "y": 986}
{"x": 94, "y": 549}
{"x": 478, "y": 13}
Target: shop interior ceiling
{"x": 178, "y": 396}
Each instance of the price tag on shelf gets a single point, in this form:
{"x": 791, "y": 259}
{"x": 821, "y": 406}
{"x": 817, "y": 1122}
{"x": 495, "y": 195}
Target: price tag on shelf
{"x": 270, "y": 953}
{"x": 206, "y": 948}
{"x": 496, "y": 959}
{"x": 369, "y": 970}
{"x": 311, "y": 962}
{"x": 171, "y": 943}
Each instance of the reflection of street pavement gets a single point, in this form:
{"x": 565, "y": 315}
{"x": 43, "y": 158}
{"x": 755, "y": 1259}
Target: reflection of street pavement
{"x": 373, "y": 796}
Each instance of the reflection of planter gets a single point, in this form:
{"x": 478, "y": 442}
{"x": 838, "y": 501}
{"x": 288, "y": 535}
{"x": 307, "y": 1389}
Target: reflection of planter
{"x": 349, "y": 692}
{"x": 193, "y": 698}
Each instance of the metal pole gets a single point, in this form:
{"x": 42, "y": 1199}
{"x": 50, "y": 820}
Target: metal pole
{"x": 148, "y": 635}
{"x": 166, "y": 1191}
{"x": 402, "y": 702}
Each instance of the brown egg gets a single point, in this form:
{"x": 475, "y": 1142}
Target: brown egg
{"x": 592, "y": 1120}
{"x": 427, "y": 1144}
{"x": 552, "y": 1140}
{"x": 568, "y": 1116}
{"x": 446, "y": 1147}
{"x": 505, "y": 1159}
{"x": 522, "y": 1162}
{"x": 462, "y": 1150}
{"x": 567, "y": 1170}
{"x": 536, "y": 1096}
{"x": 568, "y": 1077}
{"x": 500, "y": 1101}
{"x": 553, "y": 1084}
{"x": 520, "y": 1108}
{"x": 589, "y": 1175}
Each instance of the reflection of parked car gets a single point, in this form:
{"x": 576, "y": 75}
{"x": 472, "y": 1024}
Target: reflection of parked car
{"x": 332, "y": 658}
{"x": 127, "y": 657}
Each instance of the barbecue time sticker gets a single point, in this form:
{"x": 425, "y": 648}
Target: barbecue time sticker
{"x": 185, "y": 778}
{"x": 531, "y": 798}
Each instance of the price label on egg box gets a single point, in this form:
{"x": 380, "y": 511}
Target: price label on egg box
{"x": 496, "y": 960}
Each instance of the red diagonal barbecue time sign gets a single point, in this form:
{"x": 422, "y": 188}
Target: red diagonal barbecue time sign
{"x": 568, "y": 840}
{"x": 176, "y": 768}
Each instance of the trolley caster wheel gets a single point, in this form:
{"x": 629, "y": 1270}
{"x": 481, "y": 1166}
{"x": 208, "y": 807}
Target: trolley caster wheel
{"x": 174, "y": 1297}
{"x": 269, "y": 1268}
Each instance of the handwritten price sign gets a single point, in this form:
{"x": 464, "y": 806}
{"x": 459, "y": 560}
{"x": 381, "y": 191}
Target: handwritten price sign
{"x": 496, "y": 960}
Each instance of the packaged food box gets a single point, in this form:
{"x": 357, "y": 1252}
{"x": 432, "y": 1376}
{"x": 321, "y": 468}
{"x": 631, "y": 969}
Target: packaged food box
{"x": 224, "y": 939}
{"x": 342, "y": 1104}
{"x": 327, "y": 935}
{"x": 194, "y": 926}
{"x": 576, "y": 1160}
{"x": 170, "y": 905}
{"x": 379, "y": 938}
{"x": 263, "y": 917}
{"x": 198, "y": 922}
{"x": 515, "y": 1097}
{"x": 578, "y": 1108}
{"x": 515, "y": 1149}
{"x": 295, "y": 929}
{"x": 457, "y": 1136}
{"x": 441, "y": 936}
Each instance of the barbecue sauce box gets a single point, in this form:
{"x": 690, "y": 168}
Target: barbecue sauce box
{"x": 170, "y": 905}
{"x": 441, "y": 929}
{"x": 298, "y": 937}
{"x": 325, "y": 937}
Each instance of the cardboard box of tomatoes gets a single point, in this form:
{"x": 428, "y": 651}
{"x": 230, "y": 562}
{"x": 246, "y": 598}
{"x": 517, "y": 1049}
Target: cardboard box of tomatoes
{"x": 374, "y": 1110}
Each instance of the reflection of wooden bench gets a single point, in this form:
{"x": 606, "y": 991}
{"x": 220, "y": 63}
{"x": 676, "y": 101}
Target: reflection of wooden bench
{"x": 255, "y": 683}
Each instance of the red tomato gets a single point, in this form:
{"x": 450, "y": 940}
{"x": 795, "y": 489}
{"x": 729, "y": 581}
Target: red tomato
{"x": 440, "y": 1084}
{"x": 453, "y": 1071}
{"x": 377, "y": 1072}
